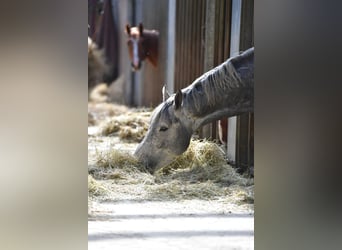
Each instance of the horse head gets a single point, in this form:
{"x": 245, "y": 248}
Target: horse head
{"x": 141, "y": 44}
{"x": 169, "y": 134}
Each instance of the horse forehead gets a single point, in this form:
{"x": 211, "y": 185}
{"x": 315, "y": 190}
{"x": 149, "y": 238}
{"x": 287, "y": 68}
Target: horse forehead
{"x": 135, "y": 32}
{"x": 161, "y": 113}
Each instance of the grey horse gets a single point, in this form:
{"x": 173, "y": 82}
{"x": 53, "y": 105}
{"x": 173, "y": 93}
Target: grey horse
{"x": 224, "y": 91}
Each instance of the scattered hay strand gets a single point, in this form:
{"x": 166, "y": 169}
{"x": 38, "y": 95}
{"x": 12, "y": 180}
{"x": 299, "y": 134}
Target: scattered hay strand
{"x": 95, "y": 188}
{"x": 99, "y": 93}
{"x": 100, "y": 112}
{"x": 203, "y": 161}
{"x": 199, "y": 153}
{"x": 120, "y": 167}
{"x": 130, "y": 127}
{"x": 91, "y": 119}
{"x": 117, "y": 159}
{"x": 132, "y": 134}
{"x": 178, "y": 190}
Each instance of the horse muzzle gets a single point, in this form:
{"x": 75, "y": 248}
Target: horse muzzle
{"x": 136, "y": 66}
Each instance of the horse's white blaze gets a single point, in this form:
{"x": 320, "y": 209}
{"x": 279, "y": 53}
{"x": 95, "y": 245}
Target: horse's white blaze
{"x": 135, "y": 53}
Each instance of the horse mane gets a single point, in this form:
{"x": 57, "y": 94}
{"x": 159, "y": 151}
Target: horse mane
{"x": 221, "y": 86}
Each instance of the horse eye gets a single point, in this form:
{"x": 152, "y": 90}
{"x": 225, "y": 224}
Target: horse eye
{"x": 163, "y": 128}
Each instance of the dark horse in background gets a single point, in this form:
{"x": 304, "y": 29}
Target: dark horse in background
{"x": 103, "y": 30}
{"x": 142, "y": 44}
{"x": 97, "y": 67}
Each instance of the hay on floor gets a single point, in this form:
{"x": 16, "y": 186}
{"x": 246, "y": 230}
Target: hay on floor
{"x": 203, "y": 161}
{"x": 120, "y": 167}
{"x": 131, "y": 127}
{"x": 200, "y": 173}
{"x": 99, "y": 112}
{"x": 95, "y": 188}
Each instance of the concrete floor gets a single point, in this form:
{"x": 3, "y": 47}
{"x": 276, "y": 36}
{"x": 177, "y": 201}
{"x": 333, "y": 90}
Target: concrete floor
{"x": 169, "y": 225}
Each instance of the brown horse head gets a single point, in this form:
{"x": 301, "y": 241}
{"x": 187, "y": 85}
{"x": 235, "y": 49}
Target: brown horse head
{"x": 142, "y": 44}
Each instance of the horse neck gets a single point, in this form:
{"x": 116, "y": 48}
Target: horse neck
{"x": 151, "y": 41}
{"x": 227, "y": 90}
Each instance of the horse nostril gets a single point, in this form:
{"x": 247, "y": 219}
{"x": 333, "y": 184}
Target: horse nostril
{"x": 136, "y": 67}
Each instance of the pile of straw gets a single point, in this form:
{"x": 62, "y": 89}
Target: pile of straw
{"x": 99, "y": 112}
{"x": 131, "y": 127}
{"x": 200, "y": 173}
{"x": 119, "y": 167}
{"x": 203, "y": 161}
{"x": 95, "y": 188}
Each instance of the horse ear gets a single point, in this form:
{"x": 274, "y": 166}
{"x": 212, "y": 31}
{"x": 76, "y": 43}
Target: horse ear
{"x": 166, "y": 94}
{"x": 128, "y": 29}
{"x": 141, "y": 29}
{"x": 178, "y": 99}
